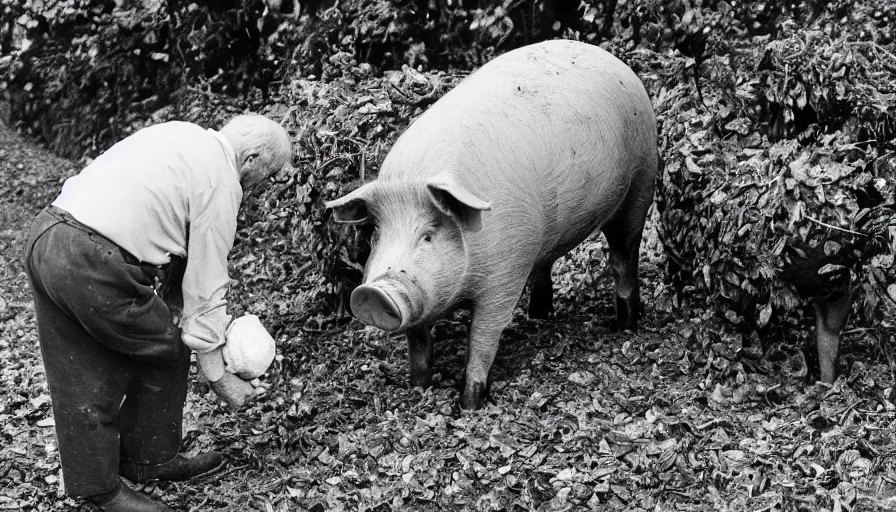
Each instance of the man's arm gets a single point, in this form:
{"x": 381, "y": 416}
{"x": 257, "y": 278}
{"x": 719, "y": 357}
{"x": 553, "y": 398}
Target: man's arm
{"x": 211, "y": 233}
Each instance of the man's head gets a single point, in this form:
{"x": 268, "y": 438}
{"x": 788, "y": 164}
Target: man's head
{"x": 262, "y": 148}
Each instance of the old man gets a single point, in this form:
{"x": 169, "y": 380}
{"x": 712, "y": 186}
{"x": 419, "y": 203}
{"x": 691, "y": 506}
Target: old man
{"x": 106, "y": 265}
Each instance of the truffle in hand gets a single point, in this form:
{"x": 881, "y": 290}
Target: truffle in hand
{"x": 249, "y": 350}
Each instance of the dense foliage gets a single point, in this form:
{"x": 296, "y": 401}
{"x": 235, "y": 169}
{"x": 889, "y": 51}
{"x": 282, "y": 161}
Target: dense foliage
{"x": 794, "y": 152}
{"x": 78, "y": 73}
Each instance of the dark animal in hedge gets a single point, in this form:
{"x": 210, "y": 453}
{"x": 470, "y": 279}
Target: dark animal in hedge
{"x": 831, "y": 265}
{"x": 509, "y": 171}
{"x": 830, "y": 291}
{"x": 822, "y": 272}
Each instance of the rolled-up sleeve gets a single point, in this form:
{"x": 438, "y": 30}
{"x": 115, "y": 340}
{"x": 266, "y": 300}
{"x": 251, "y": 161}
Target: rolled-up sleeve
{"x": 206, "y": 281}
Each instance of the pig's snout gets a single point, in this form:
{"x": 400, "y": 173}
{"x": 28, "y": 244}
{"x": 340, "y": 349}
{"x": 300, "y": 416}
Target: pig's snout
{"x": 381, "y": 306}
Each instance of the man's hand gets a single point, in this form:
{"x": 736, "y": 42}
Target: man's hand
{"x": 233, "y": 390}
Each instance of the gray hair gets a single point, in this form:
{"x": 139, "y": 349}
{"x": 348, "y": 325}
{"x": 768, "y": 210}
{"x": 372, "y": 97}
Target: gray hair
{"x": 254, "y": 133}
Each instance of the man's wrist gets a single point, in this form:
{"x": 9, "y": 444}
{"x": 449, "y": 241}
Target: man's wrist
{"x": 211, "y": 364}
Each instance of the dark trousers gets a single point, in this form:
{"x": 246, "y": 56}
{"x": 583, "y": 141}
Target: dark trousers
{"x": 115, "y": 363}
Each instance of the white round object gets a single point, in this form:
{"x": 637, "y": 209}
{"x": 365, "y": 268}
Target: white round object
{"x": 249, "y": 350}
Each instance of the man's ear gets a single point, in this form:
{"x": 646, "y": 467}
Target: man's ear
{"x": 456, "y": 201}
{"x": 352, "y": 208}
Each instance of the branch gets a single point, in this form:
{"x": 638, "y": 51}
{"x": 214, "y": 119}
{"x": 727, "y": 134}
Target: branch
{"x": 288, "y": 113}
{"x": 835, "y": 227}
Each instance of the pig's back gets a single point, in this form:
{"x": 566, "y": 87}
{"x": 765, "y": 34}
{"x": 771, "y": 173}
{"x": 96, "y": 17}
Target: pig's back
{"x": 549, "y": 133}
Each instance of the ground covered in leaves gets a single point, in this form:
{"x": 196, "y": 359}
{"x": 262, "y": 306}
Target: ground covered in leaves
{"x": 581, "y": 417}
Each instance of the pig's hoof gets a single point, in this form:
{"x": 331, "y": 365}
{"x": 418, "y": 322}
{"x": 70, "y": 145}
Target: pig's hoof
{"x": 474, "y": 396}
{"x": 828, "y": 376}
{"x": 627, "y": 312}
{"x": 422, "y": 380}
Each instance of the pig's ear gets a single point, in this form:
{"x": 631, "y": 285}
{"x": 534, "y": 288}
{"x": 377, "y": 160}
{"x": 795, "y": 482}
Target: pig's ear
{"x": 456, "y": 201}
{"x": 352, "y": 208}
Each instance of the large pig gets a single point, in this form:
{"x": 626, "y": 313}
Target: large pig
{"x": 506, "y": 173}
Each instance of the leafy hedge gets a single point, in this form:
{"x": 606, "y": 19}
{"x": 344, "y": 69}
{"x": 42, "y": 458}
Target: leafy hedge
{"x": 432, "y": 34}
{"x": 77, "y": 73}
{"x": 795, "y": 151}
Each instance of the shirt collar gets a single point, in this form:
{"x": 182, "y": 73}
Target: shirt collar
{"x": 229, "y": 152}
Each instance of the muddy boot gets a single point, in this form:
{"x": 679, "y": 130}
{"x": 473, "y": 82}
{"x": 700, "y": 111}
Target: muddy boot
{"x": 178, "y": 469}
{"x": 125, "y": 499}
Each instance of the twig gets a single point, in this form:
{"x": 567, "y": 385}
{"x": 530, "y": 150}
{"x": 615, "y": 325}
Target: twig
{"x": 857, "y": 330}
{"x": 712, "y": 423}
{"x": 288, "y": 113}
{"x": 853, "y": 145}
{"x": 847, "y": 411}
{"x": 363, "y": 170}
{"x": 835, "y": 227}
{"x": 325, "y": 166}
{"x": 219, "y": 475}
{"x": 201, "y": 505}
{"x": 877, "y": 47}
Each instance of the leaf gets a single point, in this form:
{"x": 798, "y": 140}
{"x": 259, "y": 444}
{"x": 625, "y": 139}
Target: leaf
{"x": 764, "y": 315}
{"x": 831, "y": 248}
{"x": 718, "y": 197}
{"x": 582, "y": 378}
{"x": 796, "y": 214}
{"x": 829, "y": 268}
{"x": 565, "y": 474}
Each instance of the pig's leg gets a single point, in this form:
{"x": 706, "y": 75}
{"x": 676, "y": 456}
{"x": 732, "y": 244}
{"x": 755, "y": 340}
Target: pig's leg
{"x": 490, "y": 317}
{"x": 830, "y": 318}
{"x": 541, "y": 296}
{"x": 420, "y": 354}
{"x": 624, "y": 239}
{"x": 623, "y": 232}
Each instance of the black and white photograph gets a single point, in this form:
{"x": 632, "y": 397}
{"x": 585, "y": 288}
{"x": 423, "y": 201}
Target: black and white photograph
{"x": 448, "y": 255}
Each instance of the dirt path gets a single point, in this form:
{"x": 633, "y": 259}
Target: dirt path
{"x": 29, "y": 178}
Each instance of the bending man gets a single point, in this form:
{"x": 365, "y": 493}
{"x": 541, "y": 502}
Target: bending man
{"x": 106, "y": 265}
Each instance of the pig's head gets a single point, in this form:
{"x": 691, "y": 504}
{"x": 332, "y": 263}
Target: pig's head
{"x": 419, "y": 259}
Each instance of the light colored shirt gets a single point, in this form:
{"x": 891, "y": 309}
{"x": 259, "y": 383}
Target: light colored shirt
{"x": 170, "y": 189}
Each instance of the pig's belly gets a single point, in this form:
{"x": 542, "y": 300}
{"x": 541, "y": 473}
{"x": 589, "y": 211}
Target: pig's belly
{"x": 577, "y": 208}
